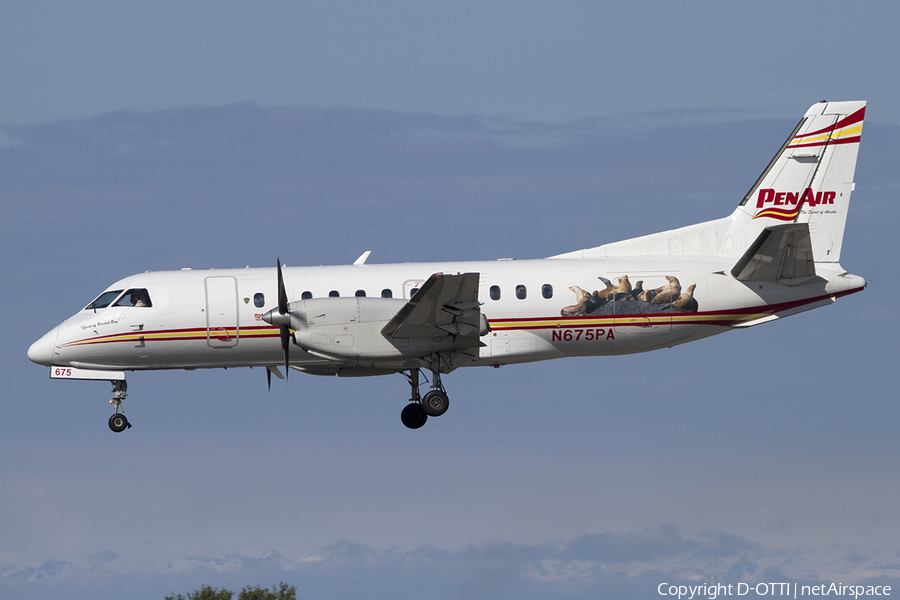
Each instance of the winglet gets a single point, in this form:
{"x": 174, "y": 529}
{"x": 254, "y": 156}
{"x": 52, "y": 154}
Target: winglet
{"x": 362, "y": 258}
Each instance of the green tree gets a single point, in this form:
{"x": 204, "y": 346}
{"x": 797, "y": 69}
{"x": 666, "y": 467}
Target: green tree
{"x": 284, "y": 592}
{"x": 204, "y": 593}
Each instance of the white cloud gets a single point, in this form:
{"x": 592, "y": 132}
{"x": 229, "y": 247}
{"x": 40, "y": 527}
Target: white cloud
{"x": 624, "y": 565}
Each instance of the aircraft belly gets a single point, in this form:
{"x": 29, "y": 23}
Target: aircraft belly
{"x": 507, "y": 347}
{"x": 612, "y": 342}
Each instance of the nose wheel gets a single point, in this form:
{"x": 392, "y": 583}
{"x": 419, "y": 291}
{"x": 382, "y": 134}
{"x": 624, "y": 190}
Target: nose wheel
{"x": 118, "y": 422}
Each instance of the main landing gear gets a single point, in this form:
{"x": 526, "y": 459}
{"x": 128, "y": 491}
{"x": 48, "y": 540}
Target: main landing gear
{"x": 118, "y": 422}
{"x": 433, "y": 404}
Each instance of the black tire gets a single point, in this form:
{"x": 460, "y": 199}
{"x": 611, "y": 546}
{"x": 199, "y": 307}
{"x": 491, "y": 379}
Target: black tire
{"x": 118, "y": 423}
{"x": 435, "y": 403}
{"x": 413, "y": 416}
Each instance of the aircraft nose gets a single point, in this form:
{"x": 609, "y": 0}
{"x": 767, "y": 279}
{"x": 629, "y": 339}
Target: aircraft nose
{"x": 41, "y": 352}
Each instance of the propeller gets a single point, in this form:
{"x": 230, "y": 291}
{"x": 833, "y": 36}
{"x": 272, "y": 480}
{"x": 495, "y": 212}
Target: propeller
{"x": 283, "y": 312}
{"x": 282, "y": 318}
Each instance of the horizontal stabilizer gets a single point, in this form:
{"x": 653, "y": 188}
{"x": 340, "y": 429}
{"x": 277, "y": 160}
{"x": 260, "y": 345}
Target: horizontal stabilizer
{"x": 784, "y": 313}
{"x": 781, "y": 253}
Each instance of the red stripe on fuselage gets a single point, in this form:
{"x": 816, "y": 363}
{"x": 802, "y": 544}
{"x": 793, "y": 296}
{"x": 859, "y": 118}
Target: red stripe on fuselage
{"x": 753, "y": 310}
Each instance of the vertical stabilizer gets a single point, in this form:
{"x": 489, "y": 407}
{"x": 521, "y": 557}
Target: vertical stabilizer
{"x": 811, "y": 177}
{"x": 808, "y": 184}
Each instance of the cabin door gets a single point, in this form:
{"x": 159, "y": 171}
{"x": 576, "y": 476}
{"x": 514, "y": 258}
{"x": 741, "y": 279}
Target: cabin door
{"x": 222, "y": 329}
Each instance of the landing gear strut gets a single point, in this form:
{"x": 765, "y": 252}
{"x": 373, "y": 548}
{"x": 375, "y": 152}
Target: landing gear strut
{"x": 434, "y": 404}
{"x": 118, "y": 422}
{"x": 412, "y": 415}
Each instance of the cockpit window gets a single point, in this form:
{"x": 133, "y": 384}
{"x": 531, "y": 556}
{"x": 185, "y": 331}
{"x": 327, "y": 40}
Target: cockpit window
{"x": 103, "y": 300}
{"x": 135, "y": 297}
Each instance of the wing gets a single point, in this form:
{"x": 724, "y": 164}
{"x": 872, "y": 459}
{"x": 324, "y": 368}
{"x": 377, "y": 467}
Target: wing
{"x": 445, "y": 309}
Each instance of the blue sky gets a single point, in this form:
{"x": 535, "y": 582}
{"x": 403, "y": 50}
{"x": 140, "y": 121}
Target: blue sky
{"x": 528, "y": 60}
{"x": 219, "y": 135}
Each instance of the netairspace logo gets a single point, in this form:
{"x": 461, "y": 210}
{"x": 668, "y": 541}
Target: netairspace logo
{"x": 792, "y": 590}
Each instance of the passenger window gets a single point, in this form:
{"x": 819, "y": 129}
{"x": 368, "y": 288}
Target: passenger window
{"x": 547, "y": 291}
{"x": 103, "y": 300}
{"x": 360, "y": 293}
{"x": 334, "y": 294}
{"x": 521, "y": 292}
{"x": 306, "y": 295}
{"x": 387, "y": 293}
{"x": 495, "y": 292}
{"x": 137, "y": 297}
{"x": 259, "y": 299}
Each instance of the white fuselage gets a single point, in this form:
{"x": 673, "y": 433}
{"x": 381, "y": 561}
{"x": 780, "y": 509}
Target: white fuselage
{"x": 213, "y": 318}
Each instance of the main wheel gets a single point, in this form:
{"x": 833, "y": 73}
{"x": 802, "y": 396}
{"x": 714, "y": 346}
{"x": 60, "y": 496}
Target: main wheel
{"x": 435, "y": 403}
{"x": 413, "y": 416}
{"x": 118, "y": 423}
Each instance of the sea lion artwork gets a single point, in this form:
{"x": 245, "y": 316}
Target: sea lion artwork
{"x": 582, "y": 299}
{"x": 622, "y": 298}
{"x": 669, "y": 292}
{"x": 637, "y": 290}
{"x": 621, "y": 290}
{"x": 686, "y": 300}
{"x": 600, "y": 295}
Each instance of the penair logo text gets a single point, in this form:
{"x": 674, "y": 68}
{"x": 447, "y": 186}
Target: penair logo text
{"x": 769, "y": 200}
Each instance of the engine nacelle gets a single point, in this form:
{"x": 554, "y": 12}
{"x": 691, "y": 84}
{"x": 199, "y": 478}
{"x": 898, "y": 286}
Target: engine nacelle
{"x": 349, "y": 331}
{"x": 345, "y": 329}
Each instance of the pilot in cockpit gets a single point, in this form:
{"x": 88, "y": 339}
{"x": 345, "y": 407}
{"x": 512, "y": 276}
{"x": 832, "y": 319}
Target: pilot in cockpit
{"x": 139, "y": 297}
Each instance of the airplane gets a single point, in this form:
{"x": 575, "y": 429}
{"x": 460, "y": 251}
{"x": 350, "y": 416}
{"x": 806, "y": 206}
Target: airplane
{"x": 777, "y": 254}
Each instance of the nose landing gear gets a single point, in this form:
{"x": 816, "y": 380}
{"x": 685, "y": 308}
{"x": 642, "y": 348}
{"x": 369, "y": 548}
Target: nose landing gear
{"x": 118, "y": 422}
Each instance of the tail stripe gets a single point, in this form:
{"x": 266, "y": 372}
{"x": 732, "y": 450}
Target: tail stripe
{"x": 845, "y": 131}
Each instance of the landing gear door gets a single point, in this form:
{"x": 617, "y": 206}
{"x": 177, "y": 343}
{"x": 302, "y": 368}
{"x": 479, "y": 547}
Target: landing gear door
{"x": 222, "y": 330}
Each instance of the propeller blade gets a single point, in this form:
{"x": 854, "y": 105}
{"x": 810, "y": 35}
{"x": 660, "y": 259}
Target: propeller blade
{"x": 283, "y": 310}
{"x": 269, "y": 379}
{"x": 282, "y": 293}
{"x": 285, "y": 347}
